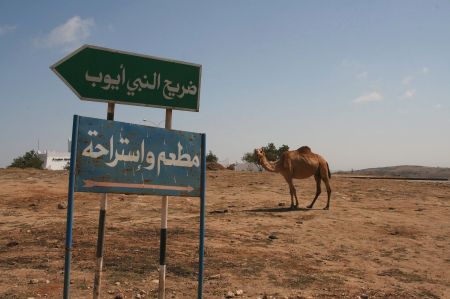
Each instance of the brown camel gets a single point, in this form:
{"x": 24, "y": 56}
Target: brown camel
{"x": 299, "y": 164}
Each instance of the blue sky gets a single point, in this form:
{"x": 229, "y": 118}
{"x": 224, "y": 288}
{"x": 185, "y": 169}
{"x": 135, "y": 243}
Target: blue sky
{"x": 364, "y": 83}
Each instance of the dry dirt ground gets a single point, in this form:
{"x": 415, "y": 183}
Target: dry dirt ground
{"x": 380, "y": 239}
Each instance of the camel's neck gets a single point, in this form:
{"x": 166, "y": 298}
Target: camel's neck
{"x": 267, "y": 165}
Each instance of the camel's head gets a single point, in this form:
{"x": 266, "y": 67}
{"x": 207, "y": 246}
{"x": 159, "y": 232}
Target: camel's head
{"x": 259, "y": 153}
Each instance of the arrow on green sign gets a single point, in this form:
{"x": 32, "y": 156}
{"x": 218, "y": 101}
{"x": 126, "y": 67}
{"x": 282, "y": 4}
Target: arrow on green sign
{"x": 106, "y": 75}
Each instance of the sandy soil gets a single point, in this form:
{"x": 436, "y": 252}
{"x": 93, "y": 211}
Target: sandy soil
{"x": 380, "y": 239}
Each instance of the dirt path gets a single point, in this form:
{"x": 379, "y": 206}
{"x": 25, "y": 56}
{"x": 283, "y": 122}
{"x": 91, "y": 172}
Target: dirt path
{"x": 381, "y": 239}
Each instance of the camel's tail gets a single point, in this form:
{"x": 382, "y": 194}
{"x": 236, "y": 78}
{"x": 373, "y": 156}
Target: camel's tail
{"x": 329, "y": 173}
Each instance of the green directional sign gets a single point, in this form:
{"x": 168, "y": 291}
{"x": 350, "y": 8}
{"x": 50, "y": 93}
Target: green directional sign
{"x": 106, "y": 75}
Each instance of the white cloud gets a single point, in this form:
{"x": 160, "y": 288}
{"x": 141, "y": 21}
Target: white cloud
{"x": 362, "y": 75}
{"x": 351, "y": 64}
{"x": 71, "y": 33}
{"x": 410, "y": 93}
{"x": 4, "y": 29}
{"x": 407, "y": 80}
{"x": 373, "y": 96}
{"x": 437, "y": 106}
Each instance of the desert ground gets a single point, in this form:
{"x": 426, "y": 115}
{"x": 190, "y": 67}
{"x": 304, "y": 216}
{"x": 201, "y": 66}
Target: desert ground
{"x": 380, "y": 239}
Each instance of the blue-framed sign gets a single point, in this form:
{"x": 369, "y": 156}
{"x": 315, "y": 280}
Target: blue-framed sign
{"x": 118, "y": 157}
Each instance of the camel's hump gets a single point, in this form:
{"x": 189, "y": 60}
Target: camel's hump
{"x": 304, "y": 149}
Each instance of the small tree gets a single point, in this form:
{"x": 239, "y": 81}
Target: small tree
{"x": 250, "y": 157}
{"x": 282, "y": 149}
{"x": 210, "y": 157}
{"x": 28, "y": 160}
{"x": 272, "y": 153}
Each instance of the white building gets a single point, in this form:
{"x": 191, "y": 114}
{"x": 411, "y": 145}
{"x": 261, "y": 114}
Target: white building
{"x": 55, "y": 160}
{"x": 247, "y": 167}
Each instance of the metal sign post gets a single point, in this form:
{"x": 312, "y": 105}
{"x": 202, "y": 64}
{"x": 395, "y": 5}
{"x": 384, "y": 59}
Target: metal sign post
{"x": 133, "y": 159}
{"x": 68, "y": 253}
{"x": 116, "y": 157}
{"x": 202, "y": 218}
{"x": 101, "y": 227}
{"x": 163, "y": 235}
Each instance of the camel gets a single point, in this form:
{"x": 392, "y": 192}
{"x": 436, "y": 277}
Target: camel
{"x": 299, "y": 164}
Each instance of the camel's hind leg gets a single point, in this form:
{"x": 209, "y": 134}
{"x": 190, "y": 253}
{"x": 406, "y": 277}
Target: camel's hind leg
{"x": 318, "y": 189}
{"x": 326, "y": 180}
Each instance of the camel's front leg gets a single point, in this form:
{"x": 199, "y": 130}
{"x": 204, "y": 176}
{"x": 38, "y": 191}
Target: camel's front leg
{"x": 293, "y": 193}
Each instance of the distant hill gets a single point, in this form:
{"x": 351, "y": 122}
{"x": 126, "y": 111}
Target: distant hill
{"x": 405, "y": 171}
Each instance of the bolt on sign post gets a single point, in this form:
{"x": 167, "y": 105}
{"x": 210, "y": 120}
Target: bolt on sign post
{"x": 132, "y": 160}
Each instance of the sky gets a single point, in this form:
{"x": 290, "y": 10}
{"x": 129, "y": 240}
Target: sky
{"x": 363, "y": 83}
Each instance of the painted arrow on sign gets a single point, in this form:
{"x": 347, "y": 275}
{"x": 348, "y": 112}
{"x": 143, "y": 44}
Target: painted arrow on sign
{"x": 90, "y": 184}
{"x": 106, "y": 75}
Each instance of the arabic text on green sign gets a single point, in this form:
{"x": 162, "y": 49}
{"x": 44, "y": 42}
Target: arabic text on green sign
{"x": 106, "y": 75}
